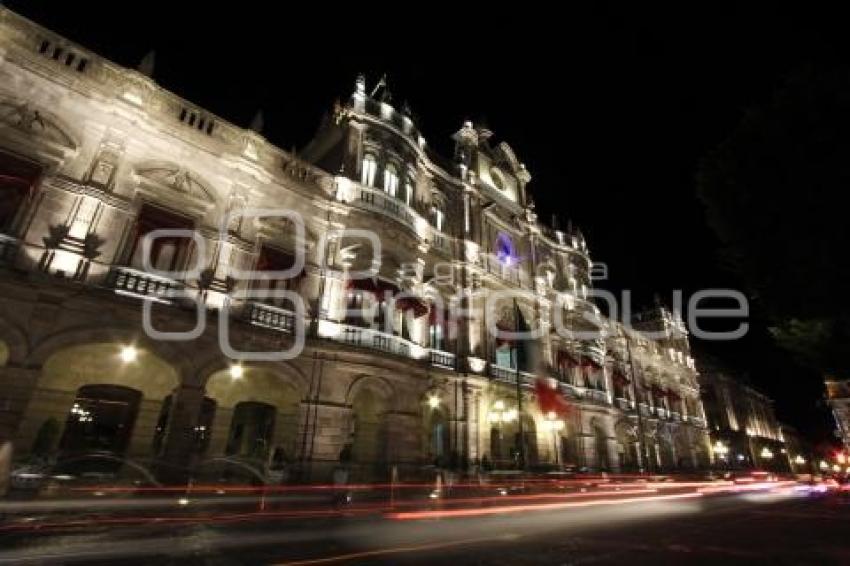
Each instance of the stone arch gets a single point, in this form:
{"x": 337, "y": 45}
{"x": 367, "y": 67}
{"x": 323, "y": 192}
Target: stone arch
{"x": 599, "y": 438}
{"x": 628, "y": 446}
{"x": 666, "y": 448}
{"x": 240, "y": 401}
{"x": 370, "y": 399}
{"x": 15, "y": 344}
{"x": 71, "y": 367}
{"x": 436, "y": 436}
{"x": 116, "y": 335}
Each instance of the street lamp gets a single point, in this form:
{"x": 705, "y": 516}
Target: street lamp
{"x": 799, "y": 460}
{"x": 500, "y": 414}
{"x": 129, "y": 354}
{"x": 556, "y": 425}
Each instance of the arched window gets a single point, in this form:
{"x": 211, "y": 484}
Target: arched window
{"x": 391, "y": 180}
{"x": 368, "y": 170}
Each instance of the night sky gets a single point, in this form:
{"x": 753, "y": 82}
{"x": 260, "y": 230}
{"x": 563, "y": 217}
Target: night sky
{"x": 610, "y": 110}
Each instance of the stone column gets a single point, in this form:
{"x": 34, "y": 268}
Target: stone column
{"x": 144, "y": 429}
{"x": 320, "y": 441}
{"x": 16, "y": 389}
{"x": 219, "y": 431}
{"x": 403, "y": 440}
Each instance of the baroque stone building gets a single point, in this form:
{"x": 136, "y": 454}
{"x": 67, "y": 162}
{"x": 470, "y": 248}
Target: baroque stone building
{"x": 742, "y": 423}
{"x": 838, "y": 399}
{"x": 123, "y": 204}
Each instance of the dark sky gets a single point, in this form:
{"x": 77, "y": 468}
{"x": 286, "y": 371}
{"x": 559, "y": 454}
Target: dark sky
{"x": 610, "y": 109}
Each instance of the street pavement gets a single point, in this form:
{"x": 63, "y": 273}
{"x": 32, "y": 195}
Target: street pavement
{"x": 757, "y": 527}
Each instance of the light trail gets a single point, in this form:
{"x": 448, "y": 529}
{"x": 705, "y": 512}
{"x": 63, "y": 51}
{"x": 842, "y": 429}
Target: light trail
{"x": 503, "y": 509}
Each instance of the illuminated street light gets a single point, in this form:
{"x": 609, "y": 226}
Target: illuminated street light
{"x": 766, "y": 453}
{"x": 433, "y": 401}
{"x": 823, "y": 465}
{"x": 836, "y": 468}
{"x": 799, "y": 460}
{"x": 841, "y": 458}
{"x": 720, "y": 449}
{"x": 501, "y": 415}
{"x": 129, "y": 354}
{"x": 236, "y": 371}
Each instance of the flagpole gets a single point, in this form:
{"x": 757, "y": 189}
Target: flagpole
{"x": 521, "y": 443}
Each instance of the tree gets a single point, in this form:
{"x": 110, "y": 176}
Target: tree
{"x": 774, "y": 193}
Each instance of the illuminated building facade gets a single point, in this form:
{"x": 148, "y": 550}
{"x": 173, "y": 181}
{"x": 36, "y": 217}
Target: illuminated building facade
{"x": 94, "y": 158}
{"x": 742, "y": 422}
{"x": 838, "y": 398}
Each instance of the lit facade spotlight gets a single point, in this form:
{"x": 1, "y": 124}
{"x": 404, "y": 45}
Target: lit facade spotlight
{"x": 129, "y": 354}
{"x": 433, "y": 401}
{"x": 236, "y": 371}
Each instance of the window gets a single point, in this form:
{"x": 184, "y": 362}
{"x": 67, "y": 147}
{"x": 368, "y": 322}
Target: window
{"x": 166, "y": 253}
{"x": 439, "y": 219}
{"x": 408, "y": 191}
{"x": 391, "y": 180}
{"x": 367, "y": 174}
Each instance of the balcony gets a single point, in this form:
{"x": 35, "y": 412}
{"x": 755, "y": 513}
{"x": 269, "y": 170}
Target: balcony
{"x": 442, "y": 359}
{"x": 510, "y": 274}
{"x": 370, "y": 338}
{"x": 268, "y": 316}
{"x": 378, "y": 201}
{"x": 509, "y": 374}
{"x": 8, "y": 248}
{"x": 596, "y": 396}
{"x": 440, "y": 242}
{"x": 135, "y": 283}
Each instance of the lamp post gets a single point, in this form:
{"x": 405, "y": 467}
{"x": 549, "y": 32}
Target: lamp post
{"x": 556, "y": 425}
{"x": 721, "y": 450}
{"x": 500, "y": 414}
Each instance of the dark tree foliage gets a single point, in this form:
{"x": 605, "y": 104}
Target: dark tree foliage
{"x": 775, "y": 192}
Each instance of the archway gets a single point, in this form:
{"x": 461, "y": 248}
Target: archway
{"x": 600, "y": 442}
{"x": 437, "y": 441}
{"x": 255, "y": 416}
{"x": 627, "y": 445}
{"x": 666, "y": 451}
{"x": 368, "y": 431}
{"x": 569, "y": 446}
{"x": 101, "y": 420}
{"x": 73, "y": 371}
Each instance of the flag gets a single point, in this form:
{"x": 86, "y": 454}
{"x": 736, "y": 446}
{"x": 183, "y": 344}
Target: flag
{"x": 549, "y": 397}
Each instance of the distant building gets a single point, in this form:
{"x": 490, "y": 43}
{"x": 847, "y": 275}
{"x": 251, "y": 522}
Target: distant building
{"x": 742, "y": 423}
{"x": 838, "y": 398}
{"x": 797, "y": 451}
